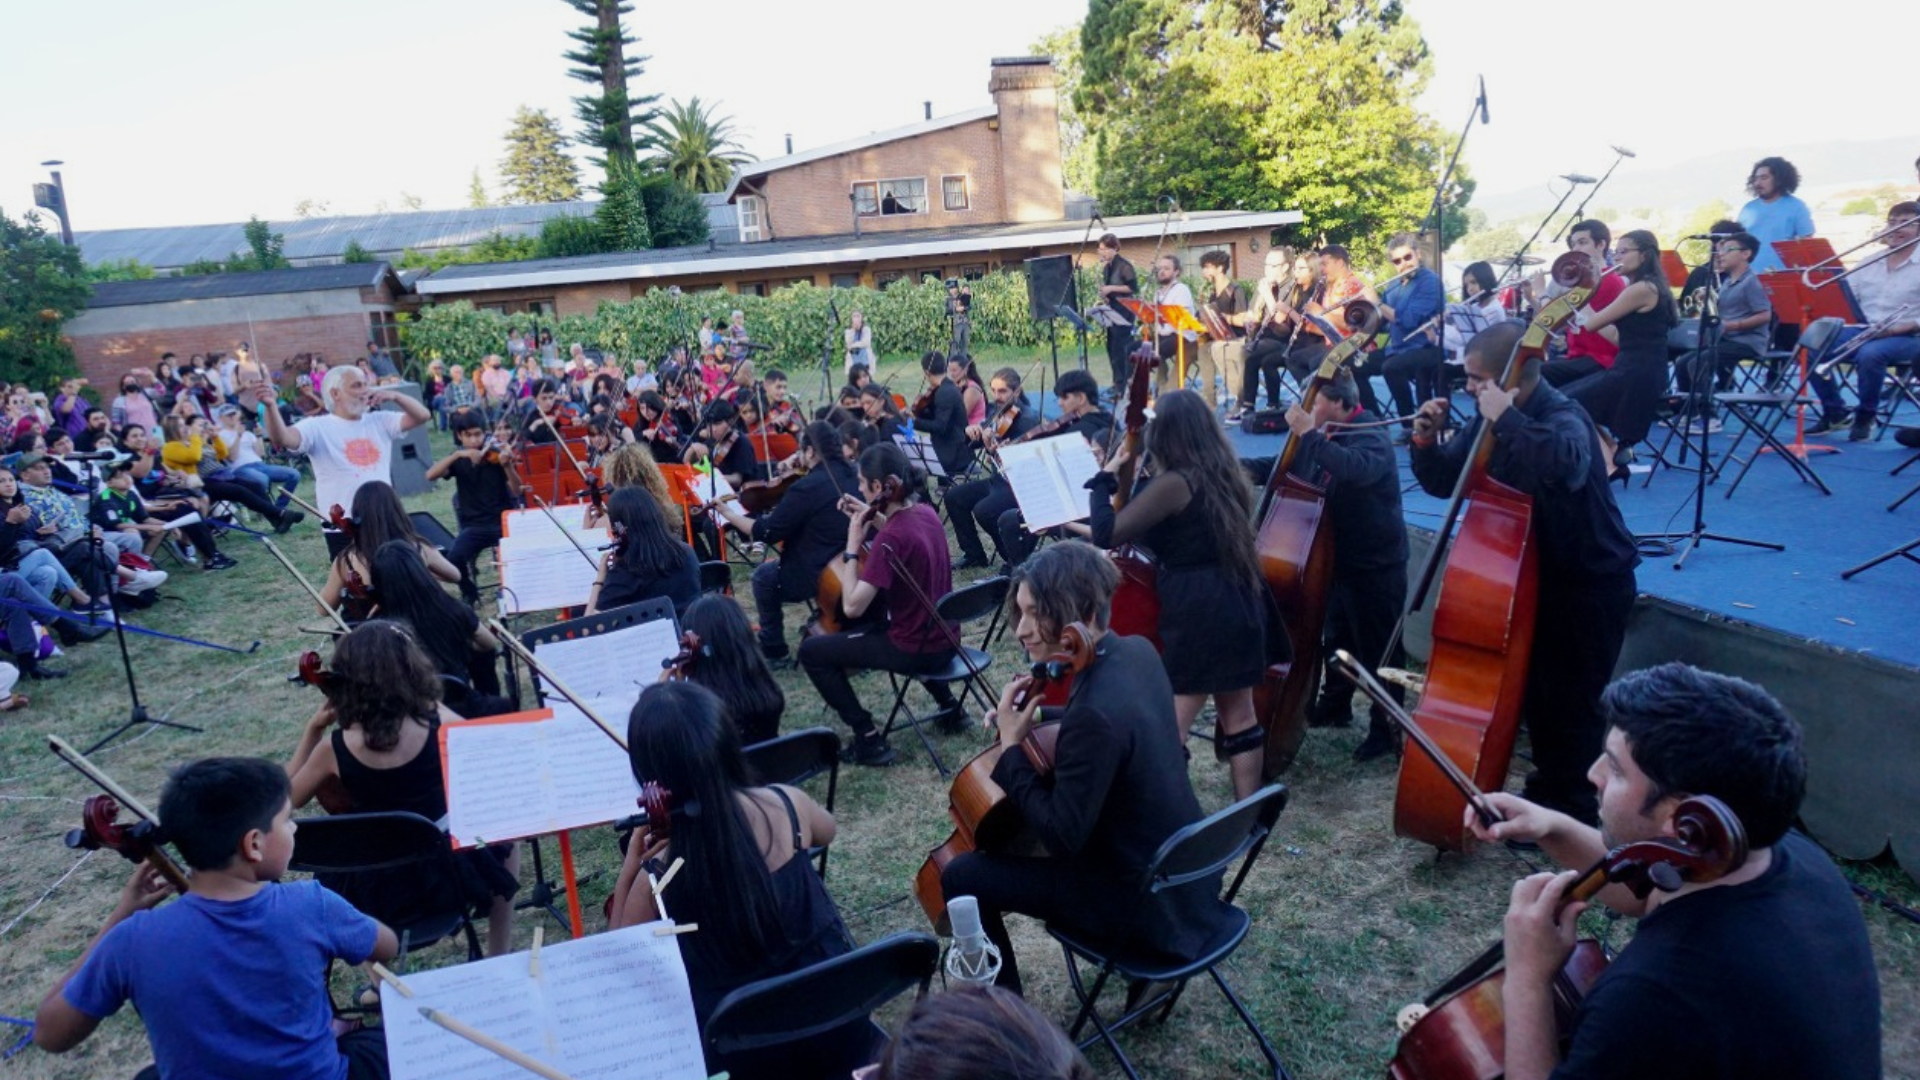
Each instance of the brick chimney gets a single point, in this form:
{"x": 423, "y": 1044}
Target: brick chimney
{"x": 1023, "y": 88}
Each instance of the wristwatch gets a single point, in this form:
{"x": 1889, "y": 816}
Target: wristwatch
{"x": 850, "y": 556}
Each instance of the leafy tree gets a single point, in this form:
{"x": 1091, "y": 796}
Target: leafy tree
{"x": 477, "y": 192}
{"x": 410, "y": 201}
{"x": 199, "y": 267}
{"x": 1864, "y": 204}
{"x": 622, "y": 213}
{"x": 1245, "y": 103}
{"x": 263, "y": 249}
{"x": 570, "y": 235}
{"x": 495, "y": 247}
{"x": 1076, "y": 149}
{"x": 354, "y": 253}
{"x": 1489, "y": 244}
{"x": 128, "y": 269}
{"x": 675, "y": 216}
{"x": 1699, "y": 221}
{"x": 42, "y": 284}
{"x": 694, "y": 146}
{"x": 537, "y": 168}
{"x": 608, "y": 116}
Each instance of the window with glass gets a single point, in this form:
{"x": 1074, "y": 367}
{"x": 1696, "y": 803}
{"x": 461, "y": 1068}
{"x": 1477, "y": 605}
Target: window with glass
{"x": 752, "y": 219}
{"x": 886, "y": 198}
{"x": 953, "y": 193}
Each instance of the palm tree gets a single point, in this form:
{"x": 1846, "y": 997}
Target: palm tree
{"x": 695, "y": 146}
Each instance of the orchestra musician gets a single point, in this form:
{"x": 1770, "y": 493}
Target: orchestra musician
{"x": 1223, "y": 353}
{"x": 1286, "y": 337}
{"x": 978, "y": 504}
{"x": 377, "y": 517}
{"x": 1588, "y": 352}
{"x": 537, "y": 424}
{"x": 1413, "y": 357}
{"x": 941, "y": 413}
{"x": 657, "y": 429}
{"x": 718, "y": 440}
{"x": 808, "y": 526}
{"x": 781, "y": 414}
{"x": 1196, "y": 516}
{"x": 1546, "y": 447}
{"x": 1889, "y": 296}
{"x": 1118, "y": 280}
{"x": 1766, "y": 971}
{"x": 1340, "y": 285}
{"x": 1171, "y": 343}
{"x": 1118, "y": 789}
{"x": 1774, "y": 212}
{"x": 1080, "y": 414}
{"x": 485, "y": 485}
{"x": 1623, "y": 400}
{"x": 910, "y": 544}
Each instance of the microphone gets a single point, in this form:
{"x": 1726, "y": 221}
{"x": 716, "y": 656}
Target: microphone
{"x": 1624, "y": 152}
{"x": 1577, "y": 178}
{"x": 1713, "y": 236}
{"x": 972, "y": 959}
{"x": 98, "y": 455}
{"x": 1483, "y": 101}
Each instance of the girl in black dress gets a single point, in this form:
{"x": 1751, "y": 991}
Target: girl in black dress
{"x": 379, "y": 516}
{"x": 1624, "y": 399}
{"x": 646, "y": 560}
{"x": 377, "y": 738}
{"x": 1197, "y": 518}
{"x": 448, "y": 631}
{"x": 733, "y": 668}
{"x": 747, "y": 880}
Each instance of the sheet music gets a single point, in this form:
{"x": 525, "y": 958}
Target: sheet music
{"x": 1049, "y": 479}
{"x": 611, "y": 669}
{"x": 540, "y": 569}
{"x": 531, "y": 774}
{"x": 709, "y": 485}
{"x": 612, "y": 1006}
{"x": 920, "y": 452}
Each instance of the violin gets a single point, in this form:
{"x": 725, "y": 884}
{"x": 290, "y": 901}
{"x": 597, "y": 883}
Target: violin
{"x": 332, "y": 793}
{"x": 656, "y": 805}
{"x": 760, "y": 496}
{"x": 984, "y": 818}
{"x": 357, "y": 603}
{"x": 675, "y": 668}
{"x": 1003, "y": 421}
{"x": 1459, "y": 1031}
{"x": 138, "y": 841}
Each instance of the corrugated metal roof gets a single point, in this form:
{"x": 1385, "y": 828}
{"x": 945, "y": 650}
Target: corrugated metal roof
{"x": 166, "y": 290}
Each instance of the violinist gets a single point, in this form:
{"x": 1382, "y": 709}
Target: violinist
{"x": 941, "y": 414}
{"x": 780, "y": 415}
{"x": 1080, "y": 414}
{"x": 605, "y": 434}
{"x": 906, "y": 569}
{"x": 1763, "y": 972}
{"x": 378, "y": 516}
{"x": 1119, "y": 785}
{"x": 1286, "y": 338}
{"x": 657, "y": 429}
{"x": 1545, "y": 446}
{"x": 718, "y": 440}
{"x": 808, "y": 526}
{"x": 876, "y": 402}
{"x": 633, "y": 466}
{"x": 645, "y": 560}
{"x": 978, "y": 504}
{"x": 733, "y": 669}
{"x": 539, "y": 423}
{"x": 484, "y": 486}
{"x": 1197, "y": 517}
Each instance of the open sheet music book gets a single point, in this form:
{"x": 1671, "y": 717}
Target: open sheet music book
{"x": 609, "y": 670}
{"x": 540, "y": 568}
{"x": 613, "y": 1006}
{"x": 709, "y": 485}
{"x": 531, "y": 774}
{"x": 920, "y": 452}
{"x": 1049, "y": 478}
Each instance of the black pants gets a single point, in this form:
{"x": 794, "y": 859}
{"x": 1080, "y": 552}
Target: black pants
{"x": 472, "y": 542}
{"x": 977, "y": 505}
{"x": 1576, "y": 642}
{"x": 1119, "y": 349}
{"x": 19, "y": 614}
{"x": 1362, "y": 609}
{"x": 92, "y": 568}
{"x": 1016, "y": 543}
{"x": 831, "y": 659}
{"x": 1365, "y": 367}
{"x": 1263, "y": 364}
{"x": 1413, "y": 377}
{"x": 1304, "y": 358}
{"x": 1055, "y": 890}
{"x": 365, "y": 1050}
{"x": 199, "y": 534}
{"x": 1561, "y": 372}
{"x": 235, "y": 492}
{"x": 769, "y": 594}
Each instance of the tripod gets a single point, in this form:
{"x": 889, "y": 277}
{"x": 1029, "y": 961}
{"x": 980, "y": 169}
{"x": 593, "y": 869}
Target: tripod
{"x": 138, "y": 716}
{"x": 1698, "y": 398}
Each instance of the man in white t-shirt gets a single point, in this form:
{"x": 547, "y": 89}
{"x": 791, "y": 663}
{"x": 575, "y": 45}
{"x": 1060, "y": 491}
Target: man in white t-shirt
{"x": 349, "y": 444}
{"x": 1173, "y": 344}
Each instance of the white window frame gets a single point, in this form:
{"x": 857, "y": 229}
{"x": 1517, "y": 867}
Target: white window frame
{"x": 879, "y": 188}
{"x": 966, "y": 193}
{"x": 753, "y": 217}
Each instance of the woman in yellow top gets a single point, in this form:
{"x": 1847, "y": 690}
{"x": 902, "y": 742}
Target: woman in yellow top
{"x": 192, "y": 460}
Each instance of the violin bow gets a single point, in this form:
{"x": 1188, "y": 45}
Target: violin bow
{"x": 571, "y": 539}
{"x": 514, "y": 646}
{"x": 332, "y": 612}
{"x": 1343, "y": 662}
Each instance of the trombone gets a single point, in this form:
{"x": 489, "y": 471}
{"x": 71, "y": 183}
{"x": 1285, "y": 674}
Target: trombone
{"x": 1873, "y": 332}
{"x": 1825, "y": 266}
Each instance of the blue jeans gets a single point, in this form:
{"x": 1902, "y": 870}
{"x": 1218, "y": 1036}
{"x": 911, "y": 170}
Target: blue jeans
{"x": 43, "y": 570}
{"x": 1870, "y": 364}
{"x": 261, "y": 477}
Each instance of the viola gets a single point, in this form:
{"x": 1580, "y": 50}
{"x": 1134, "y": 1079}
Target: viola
{"x": 138, "y": 841}
{"x": 1295, "y": 548}
{"x": 675, "y": 668}
{"x": 1459, "y": 1031}
{"x": 984, "y": 818}
{"x": 1483, "y": 622}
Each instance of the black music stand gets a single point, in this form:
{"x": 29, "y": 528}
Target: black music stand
{"x": 1904, "y": 551}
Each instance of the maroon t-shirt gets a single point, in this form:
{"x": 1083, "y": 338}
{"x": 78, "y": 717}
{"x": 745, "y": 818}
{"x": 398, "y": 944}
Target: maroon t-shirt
{"x": 915, "y": 539}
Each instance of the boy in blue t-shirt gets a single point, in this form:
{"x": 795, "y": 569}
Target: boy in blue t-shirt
{"x": 231, "y": 980}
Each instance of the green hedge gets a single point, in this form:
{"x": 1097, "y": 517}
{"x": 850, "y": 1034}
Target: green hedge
{"x": 907, "y": 317}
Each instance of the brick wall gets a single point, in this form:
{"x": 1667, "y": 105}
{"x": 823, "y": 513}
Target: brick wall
{"x": 104, "y": 358}
{"x": 811, "y": 199}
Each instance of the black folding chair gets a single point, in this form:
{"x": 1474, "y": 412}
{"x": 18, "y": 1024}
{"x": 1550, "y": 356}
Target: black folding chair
{"x": 963, "y": 605}
{"x": 795, "y": 758}
{"x": 778, "y": 1023}
{"x": 431, "y": 530}
{"x": 1195, "y": 853}
{"x": 716, "y": 577}
{"x": 1760, "y": 414}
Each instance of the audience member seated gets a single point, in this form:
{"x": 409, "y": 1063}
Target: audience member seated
{"x": 119, "y": 508}
{"x": 194, "y": 458}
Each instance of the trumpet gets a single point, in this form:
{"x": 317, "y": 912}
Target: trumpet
{"x": 1871, "y": 333}
{"x": 1825, "y": 266}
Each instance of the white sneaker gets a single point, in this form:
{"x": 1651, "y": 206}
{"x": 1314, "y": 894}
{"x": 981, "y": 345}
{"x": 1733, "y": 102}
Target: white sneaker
{"x": 145, "y": 580}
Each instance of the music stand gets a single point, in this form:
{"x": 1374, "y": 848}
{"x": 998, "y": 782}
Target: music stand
{"x": 920, "y": 452}
{"x": 1794, "y": 304}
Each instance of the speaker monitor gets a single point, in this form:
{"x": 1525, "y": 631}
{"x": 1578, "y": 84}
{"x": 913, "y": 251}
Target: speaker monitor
{"x": 1050, "y": 285}
{"x": 412, "y": 453}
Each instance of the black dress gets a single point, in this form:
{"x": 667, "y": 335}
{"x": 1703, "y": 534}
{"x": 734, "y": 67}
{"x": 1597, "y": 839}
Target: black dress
{"x": 1213, "y": 630}
{"x": 1625, "y": 398}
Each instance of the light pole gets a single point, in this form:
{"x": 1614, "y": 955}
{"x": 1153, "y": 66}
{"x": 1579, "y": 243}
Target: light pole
{"x": 54, "y": 197}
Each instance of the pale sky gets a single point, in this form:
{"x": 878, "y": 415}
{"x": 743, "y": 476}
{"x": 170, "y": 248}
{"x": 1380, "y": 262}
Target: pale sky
{"x": 214, "y": 110}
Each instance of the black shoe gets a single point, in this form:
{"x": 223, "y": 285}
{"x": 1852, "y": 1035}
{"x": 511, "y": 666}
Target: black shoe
{"x": 1827, "y": 424}
{"x": 1145, "y": 992}
{"x": 868, "y": 750}
{"x": 287, "y": 520}
{"x": 1378, "y": 744}
{"x": 1330, "y": 712}
{"x": 220, "y": 562}
{"x": 971, "y": 561}
{"x": 32, "y": 668}
{"x": 1862, "y": 430}
{"x": 72, "y": 633}
{"x": 950, "y": 720}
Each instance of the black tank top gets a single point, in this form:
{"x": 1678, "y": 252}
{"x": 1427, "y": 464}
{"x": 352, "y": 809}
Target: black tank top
{"x": 414, "y": 787}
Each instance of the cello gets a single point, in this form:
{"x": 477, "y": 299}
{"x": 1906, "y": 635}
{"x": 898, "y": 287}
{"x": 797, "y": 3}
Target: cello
{"x": 1295, "y": 548}
{"x": 984, "y": 818}
{"x": 833, "y": 617}
{"x": 1483, "y": 622}
{"x": 1136, "y": 603}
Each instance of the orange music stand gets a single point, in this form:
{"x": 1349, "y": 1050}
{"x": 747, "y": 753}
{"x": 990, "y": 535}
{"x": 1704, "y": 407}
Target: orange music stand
{"x": 1804, "y": 252}
{"x": 1794, "y": 303}
{"x": 680, "y": 480}
{"x": 1170, "y": 315}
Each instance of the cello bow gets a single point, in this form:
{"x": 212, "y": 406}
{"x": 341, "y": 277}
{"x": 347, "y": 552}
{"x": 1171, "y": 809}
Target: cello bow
{"x": 1344, "y": 663}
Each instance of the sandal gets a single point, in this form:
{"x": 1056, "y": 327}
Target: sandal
{"x": 15, "y": 701}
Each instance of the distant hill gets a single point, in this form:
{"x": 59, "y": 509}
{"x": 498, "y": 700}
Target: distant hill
{"x": 1827, "y": 168}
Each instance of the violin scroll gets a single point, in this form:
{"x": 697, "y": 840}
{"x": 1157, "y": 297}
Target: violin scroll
{"x": 656, "y": 805}
{"x": 676, "y": 667}
{"x": 1708, "y": 843}
{"x": 100, "y": 828}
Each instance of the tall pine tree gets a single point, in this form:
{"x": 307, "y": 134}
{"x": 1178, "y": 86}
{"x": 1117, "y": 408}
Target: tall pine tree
{"x": 477, "y": 192}
{"x": 609, "y": 115}
{"x": 537, "y": 168}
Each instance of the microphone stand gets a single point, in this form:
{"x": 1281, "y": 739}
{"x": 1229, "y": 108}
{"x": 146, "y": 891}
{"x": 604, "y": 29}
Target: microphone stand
{"x": 138, "y": 716}
{"x": 1515, "y": 264}
{"x": 1619, "y": 156}
{"x": 1479, "y": 110}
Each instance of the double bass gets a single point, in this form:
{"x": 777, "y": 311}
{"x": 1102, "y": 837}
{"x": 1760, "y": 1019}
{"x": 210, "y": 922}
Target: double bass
{"x": 1483, "y": 623}
{"x": 984, "y": 818}
{"x": 1295, "y": 548}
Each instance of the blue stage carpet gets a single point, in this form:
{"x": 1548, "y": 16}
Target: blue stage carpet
{"x": 1797, "y": 591}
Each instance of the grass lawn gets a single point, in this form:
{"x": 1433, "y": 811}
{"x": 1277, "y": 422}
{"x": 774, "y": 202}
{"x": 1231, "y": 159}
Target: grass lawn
{"x": 1350, "y": 923}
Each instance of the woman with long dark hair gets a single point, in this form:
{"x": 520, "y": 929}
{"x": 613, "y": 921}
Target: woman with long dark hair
{"x": 1624, "y": 398}
{"x": 448, "y": 631}
{"x": 746, "y": 880}
{"x": 979, "y": 1033}
{"x": 378, "y": 516}
{"x": 1197, "y": 518}
{"x": 657, "y": 428}
{"x": 734, "y": 669}
{"x": 376, "y": 738}
{"x": 646, "y": 560}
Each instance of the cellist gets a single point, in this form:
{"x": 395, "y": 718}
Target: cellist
{"x": 1764, "y": 972}
{"x": 1118, "y": 788}
{"x": 1545, "y": 447}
